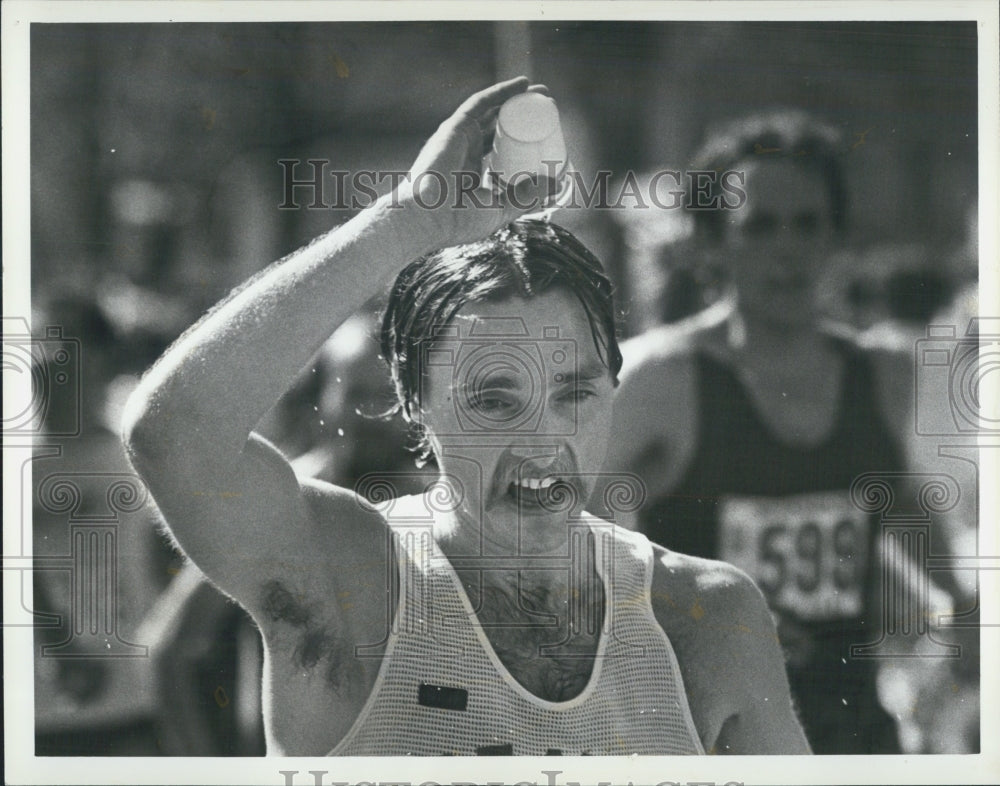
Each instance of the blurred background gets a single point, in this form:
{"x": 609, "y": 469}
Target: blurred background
{"x": 156, "y": 188}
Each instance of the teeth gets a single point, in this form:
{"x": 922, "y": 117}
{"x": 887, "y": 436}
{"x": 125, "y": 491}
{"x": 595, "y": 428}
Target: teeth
{"x": 536, "y": 483}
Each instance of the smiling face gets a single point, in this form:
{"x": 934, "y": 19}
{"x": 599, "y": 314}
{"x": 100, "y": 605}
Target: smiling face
{"x": 517, "y": 403}
{"x": 775, "y": 246}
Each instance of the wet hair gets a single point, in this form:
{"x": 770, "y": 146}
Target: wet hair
{"x": 523, "y": 259}
{"x": 778, "y": 135}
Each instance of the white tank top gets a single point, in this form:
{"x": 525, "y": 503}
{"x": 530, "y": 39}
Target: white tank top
{"x": 442, "y": 690}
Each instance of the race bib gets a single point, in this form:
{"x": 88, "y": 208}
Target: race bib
{"x": 808, "y": 553}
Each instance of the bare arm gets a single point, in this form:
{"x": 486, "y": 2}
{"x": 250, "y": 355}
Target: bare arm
{"x": 653, "y": 429}
{"x": 895, "y": 376}
{"x": 730, "y": 659}
{"x": 230, "y": 499}
{"x": 763, "y": 720}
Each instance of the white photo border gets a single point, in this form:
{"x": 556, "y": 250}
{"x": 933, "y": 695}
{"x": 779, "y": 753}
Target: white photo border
{"x": 22, "y": 767}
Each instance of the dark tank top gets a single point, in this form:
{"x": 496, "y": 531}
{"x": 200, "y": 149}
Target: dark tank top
{"x": 783, "y": 514}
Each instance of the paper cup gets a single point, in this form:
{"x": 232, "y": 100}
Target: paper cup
{"x": 529, "y": 147}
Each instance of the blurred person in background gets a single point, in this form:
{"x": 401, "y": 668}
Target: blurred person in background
{"x": 468, "y": 670}
{"x": 748, "y": 429}
{"x": 336, "y": 422}
{"x": 891, "y": 290}
{"x": 937, "y": 700}
{"x": 664, "y": 283}
{"x": 87, "y": 702}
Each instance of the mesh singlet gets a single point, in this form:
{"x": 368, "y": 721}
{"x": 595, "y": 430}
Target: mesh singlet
{"x": 442, "y": 690}
{"x": 783, "y": 514}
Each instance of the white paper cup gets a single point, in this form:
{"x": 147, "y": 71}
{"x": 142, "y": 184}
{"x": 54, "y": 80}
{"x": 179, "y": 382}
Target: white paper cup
{"x": 529, "y": 148}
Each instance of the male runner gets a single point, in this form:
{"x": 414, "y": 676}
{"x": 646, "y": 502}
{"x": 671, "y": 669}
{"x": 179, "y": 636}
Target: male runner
{"x": 749, "y": 430}
{"x": 490, "y": 614}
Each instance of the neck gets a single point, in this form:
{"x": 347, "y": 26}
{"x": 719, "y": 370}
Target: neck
{"x": 544, "y": 585}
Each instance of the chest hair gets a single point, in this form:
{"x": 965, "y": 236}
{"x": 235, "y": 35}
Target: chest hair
{"x": 545, "y": 635}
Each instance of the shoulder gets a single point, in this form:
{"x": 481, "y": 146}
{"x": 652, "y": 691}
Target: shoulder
{"x": 890, "y": 356}
{"x": 883, "y": 348}
{"x": 662, "y": 345}
{"x": 656, "y": 404}
{"x": 717, "y": 621}
{"x": 730, "y": 659}
{"x": 658, "y": 366}
{"x": 689, "y": 590}
{"x": 671, "y": 346}
{"x": 322, "y": 499}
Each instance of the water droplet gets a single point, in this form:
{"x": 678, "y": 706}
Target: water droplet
{"x": 340, "y": 432}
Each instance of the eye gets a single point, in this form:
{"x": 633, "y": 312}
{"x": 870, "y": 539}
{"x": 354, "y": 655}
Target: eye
{"x": 578, "y": 394}
{"x": 490, "y": 402}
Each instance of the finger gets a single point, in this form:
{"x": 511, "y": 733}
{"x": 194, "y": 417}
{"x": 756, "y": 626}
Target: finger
{"x": 488, "y": 122}
{"x": 474, "y": 133}
{"x": 488, "y": 138}
{"x": 543, "y": 89}
{"x": 492, "y": 96}
{"x": 480, "y": 131}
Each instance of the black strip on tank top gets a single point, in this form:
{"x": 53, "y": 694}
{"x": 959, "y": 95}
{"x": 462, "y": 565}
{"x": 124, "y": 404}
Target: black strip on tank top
{"x": 495, "y": 750}
{"x": 442, "y": 697}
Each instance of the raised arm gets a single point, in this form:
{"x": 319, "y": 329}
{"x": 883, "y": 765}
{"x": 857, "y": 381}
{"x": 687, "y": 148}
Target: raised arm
{"x": 231, "y": 500}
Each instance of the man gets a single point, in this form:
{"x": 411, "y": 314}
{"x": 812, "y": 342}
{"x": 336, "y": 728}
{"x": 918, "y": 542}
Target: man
{"x": 748, "y": 430}
{"x": 517, "y": 623}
